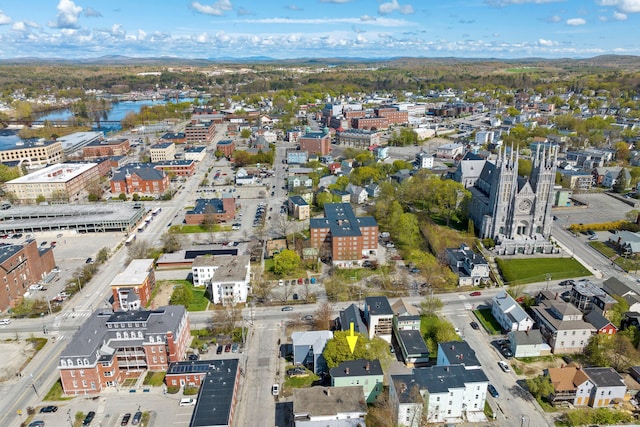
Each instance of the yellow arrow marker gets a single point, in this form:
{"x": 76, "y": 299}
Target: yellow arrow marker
{"x": 352, "y": 339}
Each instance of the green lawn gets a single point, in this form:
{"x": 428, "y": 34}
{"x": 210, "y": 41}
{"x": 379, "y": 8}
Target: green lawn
{"x": 188, "y": 229}
{"x": 627, "y": 264}
{"x": 489, "y": 322}
{"x": 155, "y": 379}
{"x": 199, "y": 302}
{"x": 529, "y": 270}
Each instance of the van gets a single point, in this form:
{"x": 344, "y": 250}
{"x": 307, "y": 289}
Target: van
{"x": 187, "y": 401}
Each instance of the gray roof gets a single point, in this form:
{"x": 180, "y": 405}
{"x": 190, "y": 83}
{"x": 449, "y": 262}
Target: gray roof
{"x": 207, "y": 206}
{"x": 298, "y": 200}
{"x": 341, "y": 220}
{"x": 229, "y": 268}
{"x": 144, "y": 171}
{"x": 458, "y": 352}
{"x": 413, "y": 342}
{"x": 216, "y": 396}
{"x": 99, "y": 330}
{"x": 549, "y": 315}
{"x": 161, "y": 145}
{"x": 378, "y": 306}
{"x": 510, "y": 307}
{"x": 352, "y": 314}
{"x": 604, "y": 377}
{"x": 597, "y": 319}
{"x": 328, "y": 401}
{"x": 531, "y": 337}
{"x": 315, "y": 339}
{"x": 614, "y": 286}
{"x": 436, "y": 379}
{"x": 356, "y": 368}
{"x": 7, "y": 250}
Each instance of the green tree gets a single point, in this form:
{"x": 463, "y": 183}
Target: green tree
{"x": 323, "y": 198}
{"x": 122, "y": 197}
{"x": 337, "y": 349}
{"x": 182, "y": 295}
{"x": 245, "y": 133}
{"x": 242, "y": 158}
{"x": 135, "y": 197}
{"x": 102, "y": 256}
{"x": 170, "y": 242}
{"x": 540, "y": 386}
{"x": 621, "y": 183}
{"x": 524, "y": 167}
{"x": 406, "y": 230}
{"x": 286, "y": 262}
{"x": 616, "y": 313}
{"x": 40, "y": 199}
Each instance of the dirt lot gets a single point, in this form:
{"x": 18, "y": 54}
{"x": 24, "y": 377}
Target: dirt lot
{"x": 13, "y": 356}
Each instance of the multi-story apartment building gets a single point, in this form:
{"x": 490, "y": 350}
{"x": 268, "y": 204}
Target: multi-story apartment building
{"x": 367, "y": 373}
{"x": 393, "y": 115}
{"x": 63, "y": 181}
{"x": 343, "y": 237}
{"x": 33, "y": 154}
{"x": 562, "y": 326}
{"x": 315, "y": 143}
{"x": 21, "y": 266}
{"x": 299, "y": 208}
{"x": 132, "y": 288}
{"x": 195, "y": 153}
{"x": 379, "y": 317}
{"x": 175, "y": 137}
{"x": 374, "y": 123}
{"x": 200, "y": 131}
{"x": 176, "y": 167}
{"x": 225, "y": 276}
{"x": 162, "y": 152}
{"x": 226, "y": 147}
{"x": 139, "y": 178}
{"x": 110, "y": 346}
{"x": 106, "y": 148}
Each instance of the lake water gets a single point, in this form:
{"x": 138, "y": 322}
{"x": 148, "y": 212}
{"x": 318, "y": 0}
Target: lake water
{"x": 119, "y": 111}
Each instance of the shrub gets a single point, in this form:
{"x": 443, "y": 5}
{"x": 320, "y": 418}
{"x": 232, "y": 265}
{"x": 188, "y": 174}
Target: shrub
{"x": 190, "y": 390}
{"x": 173, "y": 389}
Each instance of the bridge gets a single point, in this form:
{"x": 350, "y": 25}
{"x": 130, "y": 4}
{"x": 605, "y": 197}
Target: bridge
{"x": 57, "y": 123}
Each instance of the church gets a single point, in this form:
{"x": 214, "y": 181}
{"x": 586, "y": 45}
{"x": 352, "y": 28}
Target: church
{"x": 514, "y": 211}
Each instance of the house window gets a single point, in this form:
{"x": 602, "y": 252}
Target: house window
{"x": 82, "y": 372}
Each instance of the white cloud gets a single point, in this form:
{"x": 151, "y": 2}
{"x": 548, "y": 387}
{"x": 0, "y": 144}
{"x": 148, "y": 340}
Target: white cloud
{"x": 202, "y": 38}
{"x": 394, "y": 6}
{"x": 4, "y": 19}
{"x": 24, "y": 25}
{"x": 217, "y": 9}
{"x": 547, "y": 43}
{"x": 141, "y": 35}
{"x": 367, "y": 18}
{"x": 382, "y": 22}
{"x": 294, "y": 7}
{"x": 117, "y": 30}
{"x": 68, "y": 14}
{"x": 619, "y": 16}
{"x": 554, "y": 18}
{"x": 90, "y": 12}
{"x": 575, "y": 22}
{"x": 626, "y": 6}
{"x": 335, "y": 1}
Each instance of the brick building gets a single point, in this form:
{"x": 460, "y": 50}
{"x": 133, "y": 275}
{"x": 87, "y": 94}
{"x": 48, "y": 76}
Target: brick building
{"x": 177, "y": 167}
{"x": 316, "y": 143}
{"x": 175, "y": 137}
{"x": 342, "y": 236}
{"x": 132, "y": 288}
{"x": 106, "y": 148}
{"x": 373, "y": 123}
{"x": 138, "y": 178}
{"x": 393, "y": 115}
{"x": 201, "y": 131}
{"x": 226, "y": 147}
{"x": 220, "y": 210}
{"x": 21, "y": 266}
{"x": 358, "y": 138}
{"x": 113, "y": 346}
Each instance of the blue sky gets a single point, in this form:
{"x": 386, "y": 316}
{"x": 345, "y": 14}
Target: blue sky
{"x": 318, "y": 28}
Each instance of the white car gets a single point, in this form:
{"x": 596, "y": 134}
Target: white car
{"x": 5, "y": 321}
{"x": 504, "y": 366}
{"x": 275, "y": 389}
{"x": 36, "y": 287}
{"x": 188, "y": 401}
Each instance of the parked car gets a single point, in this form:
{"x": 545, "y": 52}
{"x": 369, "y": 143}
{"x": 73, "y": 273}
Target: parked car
{"x": 37, "y": 423}
{"x": 48, "y": 409}
{"x": 87, "y": 420}
{"x": 504, "y": 366}
{"x": 567, "y": 283}
{"x": 492, "y": 391}
{"x": 89, "y": 260}
{"x": 219, "y": 349}
{"x": 287, "y": 308}
{"x": 475, "y": 294}
{"x": 187, "y": 401}
{"x": 234, "y": 348}
{"x": 194, "y": 356}
{"x": 275, "y": 389}
{"x": 307, "y": 317}
{"x": 506, "y": 352}
{"x": 125, "y": 419}
{"x": 475, "y": 325}
{"x": 136, "y": 418}
{"x": 227, "y": 348}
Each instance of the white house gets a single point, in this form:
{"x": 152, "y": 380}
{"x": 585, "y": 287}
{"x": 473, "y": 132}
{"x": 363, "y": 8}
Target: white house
{"x": 528, "y": 344}
{"x": 510, "y": 314}
{"x": 424, "y": 160}
{"x": 226, "y": 276}
{"x": 450, "y": 151}
{"x": 358, "y": 194}
{"x": 244, "y": 178}
{"x": 329, "y": 406}
{"x": 472, "y": 269}
{"x": 379, "y": 317}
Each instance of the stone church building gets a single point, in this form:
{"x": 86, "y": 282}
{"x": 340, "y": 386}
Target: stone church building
{"x": 514, "y": 211}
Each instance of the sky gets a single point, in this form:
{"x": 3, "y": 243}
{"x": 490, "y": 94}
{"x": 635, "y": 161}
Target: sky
{"x": 282, "y": 29}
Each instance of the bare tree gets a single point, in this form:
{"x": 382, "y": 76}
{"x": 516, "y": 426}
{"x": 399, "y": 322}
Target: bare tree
{"x": 262, "y": 288}
{"x": 138, "y": 250}
{"x": 323, "y": 316}
{"x": 224, "y": 320}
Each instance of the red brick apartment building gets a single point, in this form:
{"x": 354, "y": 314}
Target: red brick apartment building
{"x": 221, "y": 210}
{"x": 226, "y": 147}
{"x": 370, "y": 123}
{"x": 143, "y": 179}
{"x": 113, "y": 346}
{"x": 315, "y": 143}
{"x": 177, "y": 167}
{"x": 106, "y": 148}
{"x": 342, "y": 236}
{"x": 21, "y": 266}
{"x": 393, "y": 115}
{"x": 132, "y": 288}
{"x": 201, "y": 131}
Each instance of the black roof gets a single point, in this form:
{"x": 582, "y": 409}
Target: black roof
{"x": 459, "y": 352}
{"x": 378, "y": 306}
{"x": 216, "y": 397}
{"x": 352, "y": 314}
{"x": 356, "y": 368}
{"x": 413, "y": 342}
{"x": 341, "y": 220}
{"x": 207, "y": 205}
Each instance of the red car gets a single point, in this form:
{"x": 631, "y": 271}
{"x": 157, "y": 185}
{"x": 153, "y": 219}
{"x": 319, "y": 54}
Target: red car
{"x": 475, "y": 294}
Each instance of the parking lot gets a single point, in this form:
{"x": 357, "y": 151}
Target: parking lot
{"x": 598, "y": 208}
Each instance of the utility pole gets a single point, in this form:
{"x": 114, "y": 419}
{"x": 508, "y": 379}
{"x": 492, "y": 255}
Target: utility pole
{"x": 548, "y": 279}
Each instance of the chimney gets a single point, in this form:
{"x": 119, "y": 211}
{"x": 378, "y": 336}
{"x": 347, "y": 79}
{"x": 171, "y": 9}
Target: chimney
{"x": 367, "y": 367}
{"x": 327, "y": 392}
{"x": 346, "y": 370}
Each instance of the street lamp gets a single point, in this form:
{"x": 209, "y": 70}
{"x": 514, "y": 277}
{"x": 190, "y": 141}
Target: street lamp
{"x": 78, "y": 278}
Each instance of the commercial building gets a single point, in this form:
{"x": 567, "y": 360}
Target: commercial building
{"x": 212, "y": 210}
{"x": 141, "y": 179}
{"x": 226, "y": 277}
{"x": 343, "y": 237}
{"x": 358, "y": 138}
{"x": 373, "y": 123}
{"x": 162, "y": 152}
{"x": 175, "y": 137}
{"x": 106, "y": 148}
{"x": 197, "y": 153}
{"x": 176, "y": 167}
{"x": 113, "y": 346}
{"x": 74, "y": 142}
{"x": 299, "y": 208}
{"x": 33, "y": 154}
{"x": 200, "y": 131}
{"x": 60, "y": 182}
{"x": 21, "y": 266}
{"x": 132, "y": 288}
{"x": 316, "y": 143}
{"x": 393, "y": 115}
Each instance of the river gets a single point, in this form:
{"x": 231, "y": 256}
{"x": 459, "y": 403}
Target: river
{"x": 118, "y": 111}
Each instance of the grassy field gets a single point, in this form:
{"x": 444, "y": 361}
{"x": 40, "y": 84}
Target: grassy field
{"x": 530, "y": 270}
{"x": 155, "y": 379}
{"x": 489, "y": 322}
{"x": 627, "y": 264}
{"x": 198, "y": 228}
